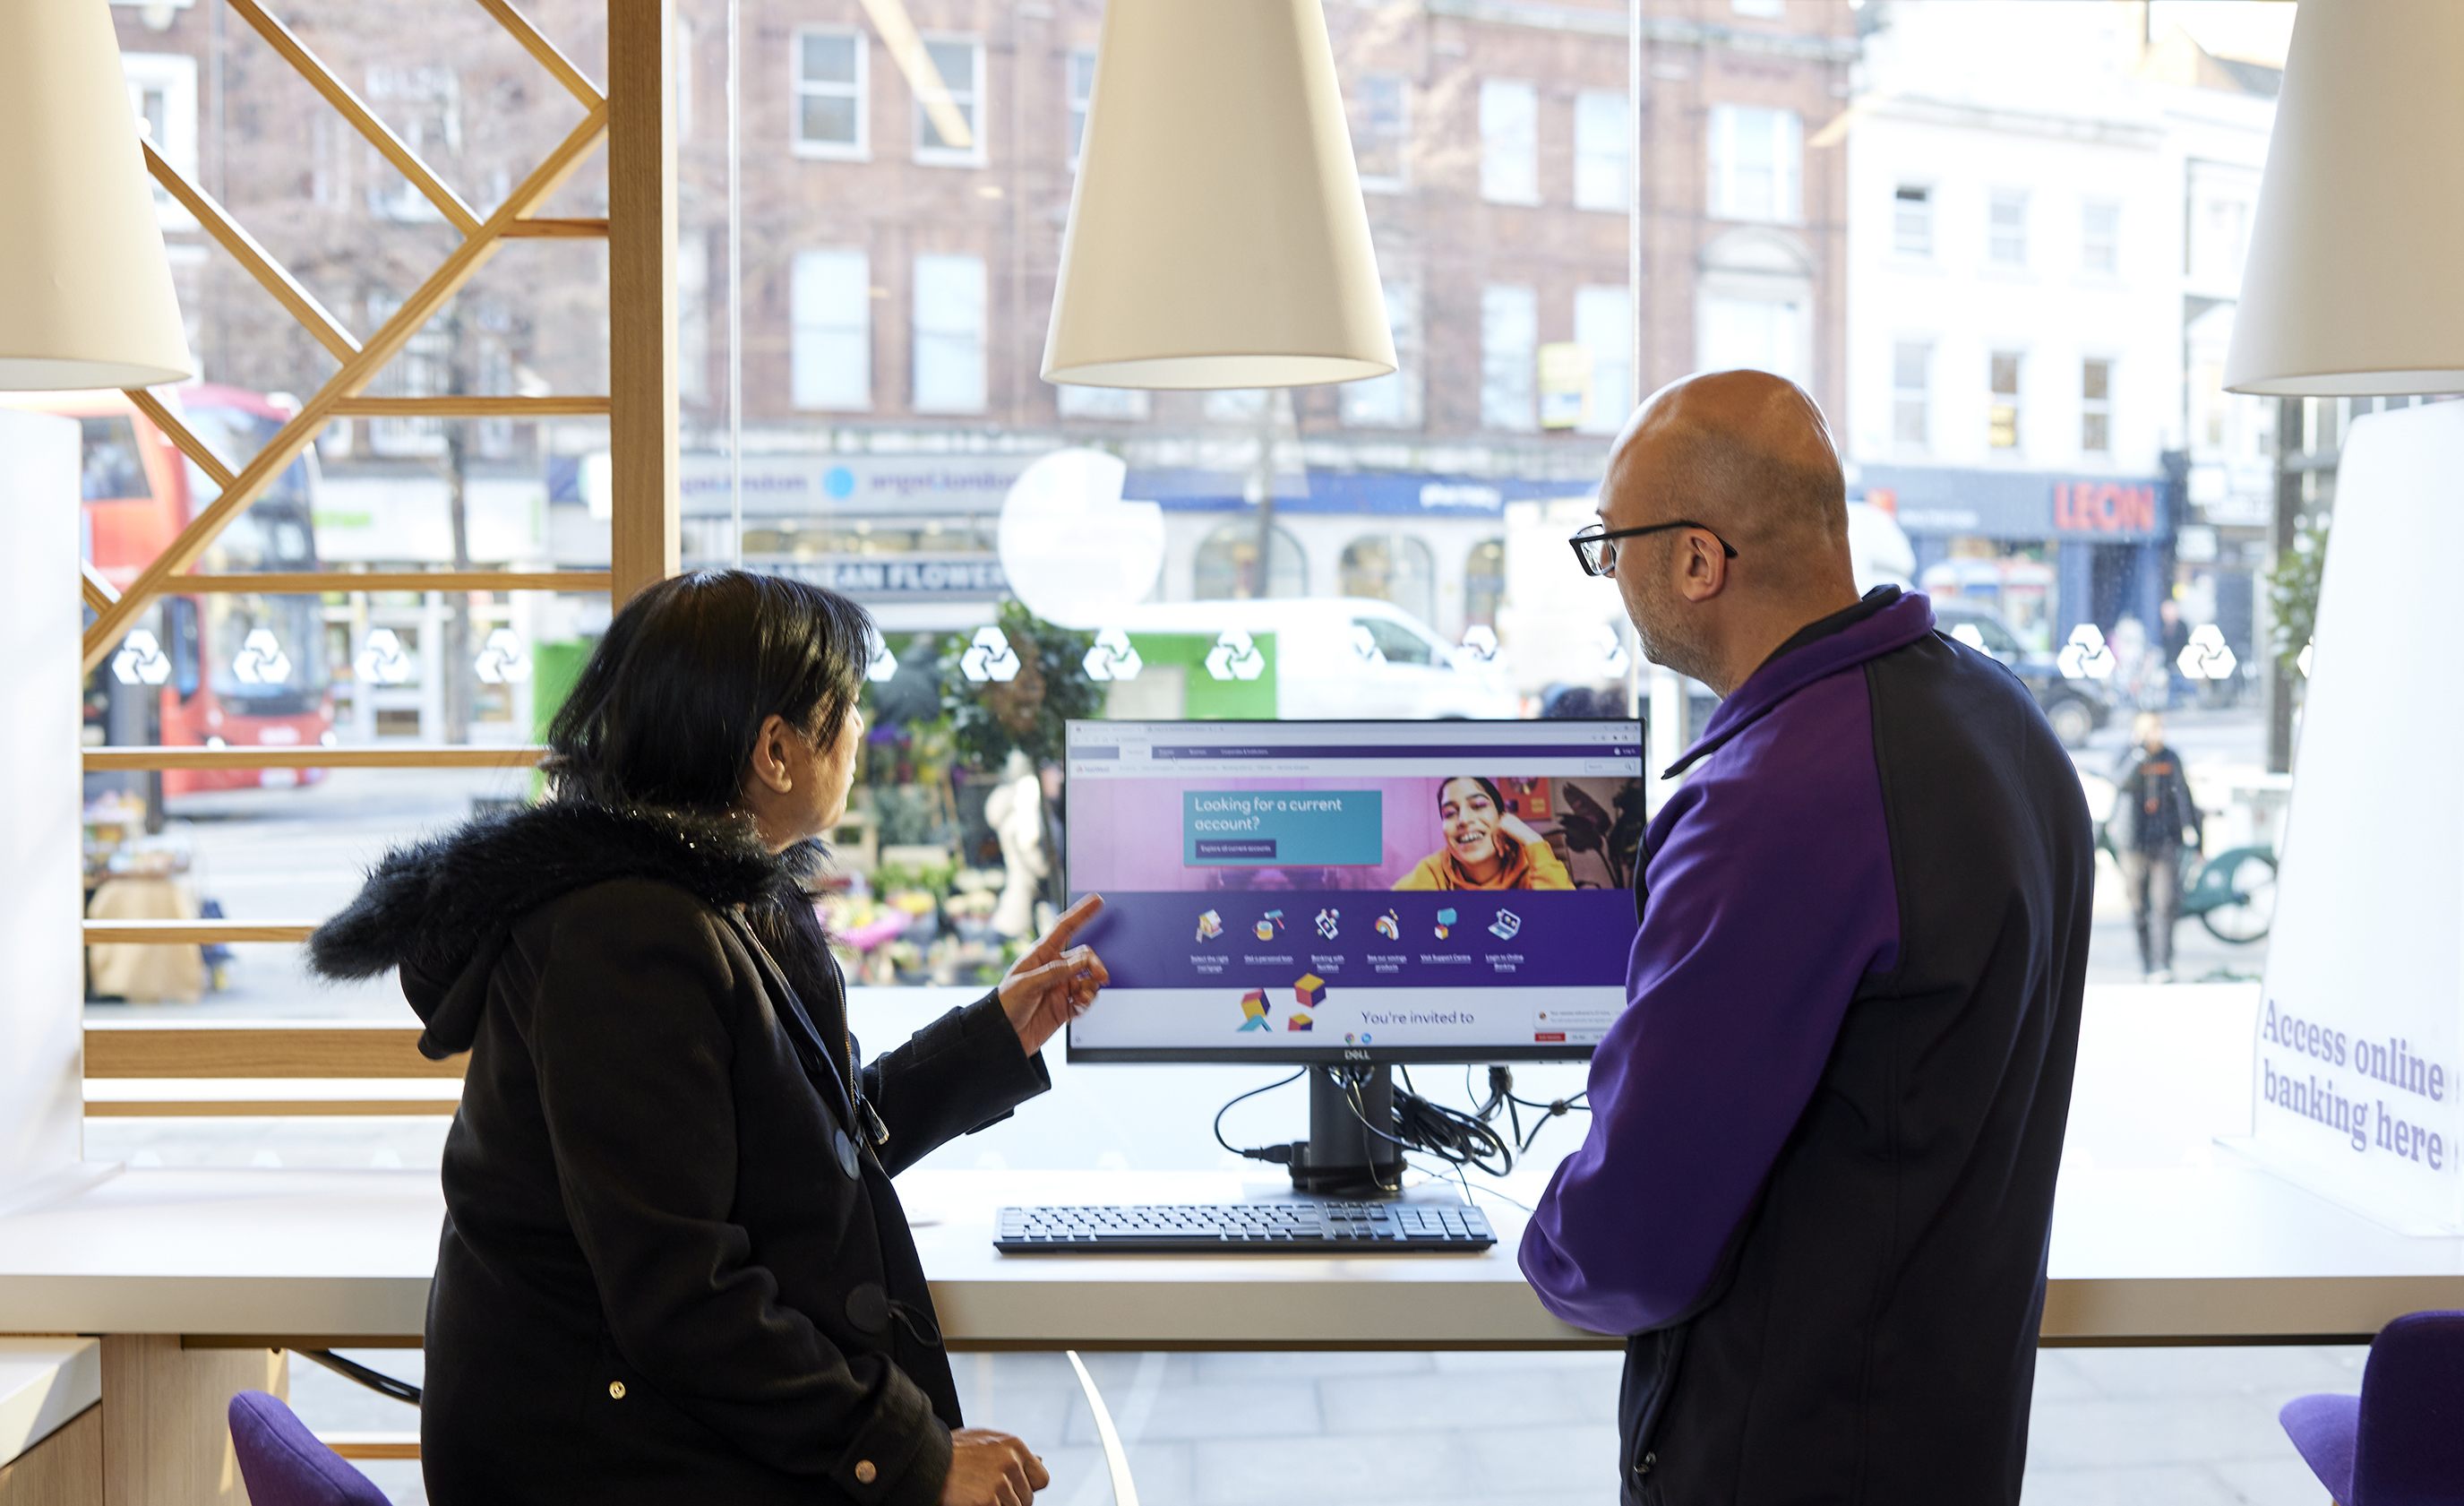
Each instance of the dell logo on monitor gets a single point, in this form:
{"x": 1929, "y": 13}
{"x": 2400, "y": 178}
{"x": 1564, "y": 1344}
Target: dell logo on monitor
{"x": 1349, "y": 1055}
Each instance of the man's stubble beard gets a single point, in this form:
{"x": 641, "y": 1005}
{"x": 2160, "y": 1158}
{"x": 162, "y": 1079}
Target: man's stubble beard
{"x": 1665, "y": 635}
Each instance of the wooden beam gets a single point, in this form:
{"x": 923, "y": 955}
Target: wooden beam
{"x": 372, "y": 1445}
{"x": 259, "y": 1049}
{"x": 199, "y": 454}
{"x": 338, "y": 94}
{"x": 192, "y": 933}
{"x": 319, "y": 583}
{"x": 269, "y": 1108}
{"x": 553, "y": 228}
{"x": 539, "y": 47}
{"x": 356, "y": 372}
{"x": 97, "y": 591}
{"x": 312, "y": 756}
{"x": 270, "y": 273}
{"x": 579, "y": 405}
{"x": 643, "y": 539}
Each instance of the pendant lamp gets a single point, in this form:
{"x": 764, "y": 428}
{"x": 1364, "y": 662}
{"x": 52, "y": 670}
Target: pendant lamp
{"x": 2351, "y": 290}
{"x": 85, "y": 287}
{"x": 1217, "y": 236}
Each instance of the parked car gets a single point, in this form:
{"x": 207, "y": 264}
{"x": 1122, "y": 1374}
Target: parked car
{"x": 1347, "y": 656}
{"x": 2076, "y": 708}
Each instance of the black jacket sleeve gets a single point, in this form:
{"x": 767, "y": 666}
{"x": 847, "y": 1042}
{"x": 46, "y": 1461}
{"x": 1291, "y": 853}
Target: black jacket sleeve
{"x": 631, "y": 1043}
{"x": 954, "y": 1076}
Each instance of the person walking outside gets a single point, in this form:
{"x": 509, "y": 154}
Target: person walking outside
{"x": 1818, "y": 1186}
{"x": 2154, "y": 819}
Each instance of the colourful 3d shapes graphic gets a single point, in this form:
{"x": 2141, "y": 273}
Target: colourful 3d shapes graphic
{"x": 1309, "y": 991}
{"x": 1445, "y": 923}
{"x": 1253, "y": 1011}
{"x": 1328, "y": 922}
{"x": 1210, "y": 925}
{"x": 1390, "y": 925}
{"x": 1506, "y": 924}
{"x": 1268, "y": 924}
{"x": 1299, "y": 1022}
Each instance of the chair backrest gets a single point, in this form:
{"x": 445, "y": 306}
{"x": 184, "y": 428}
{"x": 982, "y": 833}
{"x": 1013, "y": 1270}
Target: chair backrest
{"x": 2409, "y": 1447}
{"x": 284, "y": 1465}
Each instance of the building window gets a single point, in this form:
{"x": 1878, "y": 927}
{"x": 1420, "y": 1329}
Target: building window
{"x": 1392, "y": 567}
{"x": 1752, "y": 334}
{"x": 1227, "y": 565}
{"x": 1079, "y": 88}
{"x": 1912, "y": 221}
{"x": 949, "y": 334}
{"x": 1912, "y": 392}
{"x": 1767, "y": 9}
{"x": 2096, "y": 407}
{"x": 1100, "y": 401}
{"x": 830, "y": 113}
{"x": 1509, "y": 141}
{"x": 1237, "y": 404}
{"x": 829, "y": 329}
{"x": 2100, "y": 237}
{"x": 1509, "y": 338}
{"x": 1603, "y": 150}
{"x": 1381, "y": 132}
{"x": 1604, "y": 325}
{"x": 960, "y": 62}
{"x": 1392, "y": 401}
{"x": 163, "y": 92}
{"x": 1484, "y": 582}
{"x": 2002, "y": 411}
{"x": 424, "y": 105}
{"x": 424, "y": 369}
{"x": 1756, "y": 163}
{"x": 2006, "y": 233}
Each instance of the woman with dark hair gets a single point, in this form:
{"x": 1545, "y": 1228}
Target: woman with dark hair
{"x": 1488, "y": 846}
{"x": 673, "y": 1266}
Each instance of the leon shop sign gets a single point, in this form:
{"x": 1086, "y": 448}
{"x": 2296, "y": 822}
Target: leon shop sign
{"x": 2354, "y": 1090}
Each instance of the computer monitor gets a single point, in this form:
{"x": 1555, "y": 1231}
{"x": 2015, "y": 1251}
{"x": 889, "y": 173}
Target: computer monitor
{"x": 1370, "y": 892}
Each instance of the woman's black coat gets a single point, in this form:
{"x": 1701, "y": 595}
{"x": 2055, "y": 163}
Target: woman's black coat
{"x": 674, "y": 1267}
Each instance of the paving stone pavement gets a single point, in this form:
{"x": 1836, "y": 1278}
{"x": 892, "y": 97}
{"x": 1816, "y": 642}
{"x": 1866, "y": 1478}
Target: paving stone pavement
{"x": 2110, "y": 1427}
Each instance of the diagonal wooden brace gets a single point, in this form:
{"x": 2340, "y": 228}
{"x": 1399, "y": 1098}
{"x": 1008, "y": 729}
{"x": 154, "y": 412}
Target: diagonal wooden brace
{"x": 271, "y": 273}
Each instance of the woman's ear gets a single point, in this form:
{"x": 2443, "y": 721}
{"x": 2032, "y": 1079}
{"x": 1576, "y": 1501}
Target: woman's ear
{"x": 771, "y": 769}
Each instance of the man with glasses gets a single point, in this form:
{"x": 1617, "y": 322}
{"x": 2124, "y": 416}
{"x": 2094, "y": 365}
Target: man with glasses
{"x": 1819, "y": 1180}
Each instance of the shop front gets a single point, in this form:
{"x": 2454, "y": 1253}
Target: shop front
{"x": 2046, "y": 549}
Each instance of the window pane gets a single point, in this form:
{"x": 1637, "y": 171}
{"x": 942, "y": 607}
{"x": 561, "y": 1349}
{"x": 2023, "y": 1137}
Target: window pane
{"x": 2007, "y": 239}
{"x": 829, "y": 58}
{"x": 1227, "y": 565}
{"x": 1392, "y": 401}
{"x": 1508, "y": 353}
{"x": 2095, "y": 380}
{"x": 830, "y": 314}
{"x": 1604, "y": 325}
{"x": 1912, "y": 221}
{"x": 1602, "y": 128}
{"x": 949, "y": 334}
{"x": 828, "y": 118}
{"x": 1509, "y": 141}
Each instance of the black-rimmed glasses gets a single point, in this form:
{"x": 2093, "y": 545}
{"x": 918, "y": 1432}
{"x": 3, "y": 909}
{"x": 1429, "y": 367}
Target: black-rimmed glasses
{"x": 1596, "y": 546}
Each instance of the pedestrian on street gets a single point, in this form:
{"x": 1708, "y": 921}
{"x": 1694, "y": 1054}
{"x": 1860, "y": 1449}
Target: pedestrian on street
{"x": 1819, "y": 1179}
{"x": 2154, "y": 819}
{"x": 2176, "y": 634}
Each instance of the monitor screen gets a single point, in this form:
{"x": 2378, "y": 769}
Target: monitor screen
{"x": 1355, "y": 890}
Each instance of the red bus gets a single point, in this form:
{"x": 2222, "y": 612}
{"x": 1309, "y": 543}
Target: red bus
{"x": 234, "y": 668}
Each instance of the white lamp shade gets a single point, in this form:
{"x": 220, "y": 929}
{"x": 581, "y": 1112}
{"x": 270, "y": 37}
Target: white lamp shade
{"x": 85, "y": 288}
{"x": 1217, "y": 236}
{"x": 2350, "y": 289}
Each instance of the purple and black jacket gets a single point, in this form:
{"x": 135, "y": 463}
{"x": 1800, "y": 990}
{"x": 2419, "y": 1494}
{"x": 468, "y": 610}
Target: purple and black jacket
{"x": 1819, "y": 1180}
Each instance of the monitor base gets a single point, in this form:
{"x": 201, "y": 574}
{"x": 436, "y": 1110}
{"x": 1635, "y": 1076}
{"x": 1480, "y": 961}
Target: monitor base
{"x": 1343, "y": 1157}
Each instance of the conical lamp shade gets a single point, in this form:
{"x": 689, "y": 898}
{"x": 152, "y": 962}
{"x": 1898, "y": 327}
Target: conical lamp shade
{"x": 2350, "y": 289}
{"x": 1217, "y": 236}
{"x": 85, "y": 289}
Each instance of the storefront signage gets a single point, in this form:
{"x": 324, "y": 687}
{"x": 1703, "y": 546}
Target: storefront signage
{"x": 1412, "y": 492}
{"x": 2105, "y": 507}
{"x": 896, "y": 577}
{"x": 2020, "y": 506}
{"x": 814, "y": 485}
{"x": 2359, "y": 1029}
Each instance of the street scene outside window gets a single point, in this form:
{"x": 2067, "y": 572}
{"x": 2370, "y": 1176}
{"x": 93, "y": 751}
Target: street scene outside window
{"x": 1999, "y": 244}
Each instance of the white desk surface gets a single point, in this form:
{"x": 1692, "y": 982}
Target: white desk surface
{"x": 2158, "y": 1236}
{"x": 44, "y": 1382}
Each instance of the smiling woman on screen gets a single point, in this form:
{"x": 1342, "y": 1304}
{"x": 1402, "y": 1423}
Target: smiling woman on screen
{"x": 1487, "y": 847}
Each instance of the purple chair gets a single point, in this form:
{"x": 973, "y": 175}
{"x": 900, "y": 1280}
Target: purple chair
{"x": 2401, "y": 1442}
{"x": 284, "y": 1465}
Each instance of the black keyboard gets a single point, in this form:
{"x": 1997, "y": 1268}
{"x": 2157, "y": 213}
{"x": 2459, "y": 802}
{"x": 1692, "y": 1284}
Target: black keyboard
{"x": 1216, "y": 1229}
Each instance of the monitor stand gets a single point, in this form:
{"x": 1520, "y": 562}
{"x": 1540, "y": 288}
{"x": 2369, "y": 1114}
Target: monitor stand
{"x": 1342, "y": 1158}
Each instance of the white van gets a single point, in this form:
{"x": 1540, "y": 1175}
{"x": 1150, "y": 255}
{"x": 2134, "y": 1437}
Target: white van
{"x": 1347, "y": 658}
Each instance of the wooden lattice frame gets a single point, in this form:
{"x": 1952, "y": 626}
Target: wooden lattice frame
{"x": 360, "y": 359}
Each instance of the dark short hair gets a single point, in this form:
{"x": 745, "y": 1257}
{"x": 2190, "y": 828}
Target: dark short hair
{"x": 670, "y": 707}
{"x": 1494, "y": 797}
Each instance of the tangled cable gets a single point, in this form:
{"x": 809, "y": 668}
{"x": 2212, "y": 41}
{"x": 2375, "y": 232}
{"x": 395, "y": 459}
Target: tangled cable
{"x": 1457, "y": 1137}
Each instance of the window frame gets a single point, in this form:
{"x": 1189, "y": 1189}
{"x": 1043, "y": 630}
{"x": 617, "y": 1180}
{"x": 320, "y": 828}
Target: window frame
{"x": 2017, "y": 395}
{"x": 174, "y": 76}
{"x": 1928, "y": 205}
{"x": 2097, "y": 407}
{"x": 1402, "y": 299}
{"x": 1074, "y": 104}
{"x": 918, "y": 333}
{"x": 977, "y": 156}
{"x": 1527, "y": 419}
{"x": 1606, "y": 419}
{"x": 1399, "y": 133}
{"x": 863, "y": 330}
{"x": 1625, "y": 159}
{"x": 2089, "y": 208}
{"x": 860, "y": 91}
{"x": 1920, "y": 395}
{"x": 1721, "y": 134}
{"x": 1997, "y": 200}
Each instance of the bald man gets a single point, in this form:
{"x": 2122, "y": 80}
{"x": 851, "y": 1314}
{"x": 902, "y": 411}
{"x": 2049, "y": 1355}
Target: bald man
{"x": 1819, "y": 1172}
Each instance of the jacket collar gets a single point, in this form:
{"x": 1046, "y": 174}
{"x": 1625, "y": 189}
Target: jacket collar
{"x": 1887, "y": 618}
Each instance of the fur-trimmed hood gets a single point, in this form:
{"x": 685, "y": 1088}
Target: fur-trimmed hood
{"x": 436, "y": 908}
